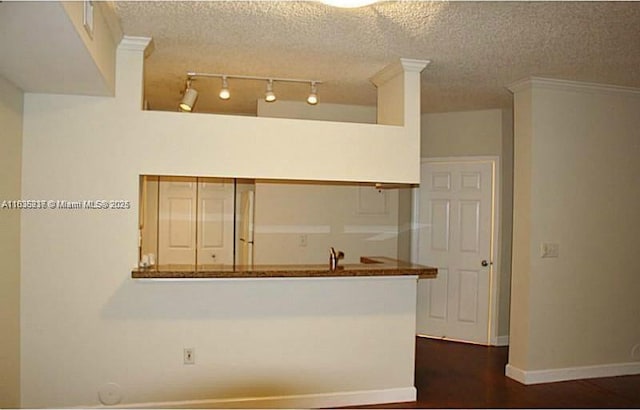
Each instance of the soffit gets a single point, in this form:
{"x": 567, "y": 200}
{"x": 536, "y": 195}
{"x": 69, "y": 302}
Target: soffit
{"x": 41, "y": 51}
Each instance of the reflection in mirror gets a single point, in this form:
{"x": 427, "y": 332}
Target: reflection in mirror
{"x": 203, "y": 223}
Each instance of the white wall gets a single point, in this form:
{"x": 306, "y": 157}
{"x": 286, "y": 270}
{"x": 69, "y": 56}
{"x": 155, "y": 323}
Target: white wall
{"x": 102, "y": 44}
{"x": 327, "y": 214}
{"x": 11, "y": 101}
{"x": 392, "y": 90}
{"x": 505, "y": 239}
{"x": 480, "y": 133}
{"x": 321, "y": 111}
{"x": 521, "y": 259}
{"x": 87, "y": 323}
{"x": 356, "y": 219}
{"x": 464, "y": 133}
{"x": 576, "y": 185}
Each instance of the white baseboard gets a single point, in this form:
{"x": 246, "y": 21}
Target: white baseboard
{"x": 308, "y": 401}
{"x": 572, "y": 373}
{"x": 501, "y": 341}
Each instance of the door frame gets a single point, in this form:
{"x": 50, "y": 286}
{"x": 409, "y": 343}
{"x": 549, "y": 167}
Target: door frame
{"x": 495, "y": 267}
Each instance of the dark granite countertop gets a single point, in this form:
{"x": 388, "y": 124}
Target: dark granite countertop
{"x": 368, "y": 266}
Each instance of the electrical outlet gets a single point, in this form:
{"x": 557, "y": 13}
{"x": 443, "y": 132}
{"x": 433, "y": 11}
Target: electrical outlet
{"x": 189, "y": 355}
{"x": 303, "y": 241}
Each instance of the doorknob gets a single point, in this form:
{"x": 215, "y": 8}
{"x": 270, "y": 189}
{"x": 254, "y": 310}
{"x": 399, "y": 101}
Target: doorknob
{"x": 485, "y": 263}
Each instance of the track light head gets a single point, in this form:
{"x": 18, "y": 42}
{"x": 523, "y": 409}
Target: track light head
{"x": 189, "y": 99}
{"x": 312, "y": 99}
{"x": 224, "y": 91}
{"x": 269, "y": 96}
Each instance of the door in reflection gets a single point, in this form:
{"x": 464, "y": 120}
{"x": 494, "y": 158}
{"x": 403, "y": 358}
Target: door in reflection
{"x": 195, "y": 221}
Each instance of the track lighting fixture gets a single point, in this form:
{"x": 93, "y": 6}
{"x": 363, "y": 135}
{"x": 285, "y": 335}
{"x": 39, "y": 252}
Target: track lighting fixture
{"x": 269, "y": 96}
{"x": 224, "y": 91}
{"x": 313, "y": 95}
{"x": 190, "y": 94}
{"x": 189, "y": 98}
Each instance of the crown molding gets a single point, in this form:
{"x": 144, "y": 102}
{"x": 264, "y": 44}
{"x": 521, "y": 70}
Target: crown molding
{"x": 569, "y": 85}
{"x": 412, "y": 65}
{"x": 401, "y": 66}
{"x": 136, "y": 43}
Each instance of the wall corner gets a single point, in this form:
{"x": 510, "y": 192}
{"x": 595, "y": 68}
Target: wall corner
{"x": 11, "y": 140}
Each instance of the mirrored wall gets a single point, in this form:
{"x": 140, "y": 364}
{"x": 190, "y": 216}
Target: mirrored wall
{"x": 204, "y": 223}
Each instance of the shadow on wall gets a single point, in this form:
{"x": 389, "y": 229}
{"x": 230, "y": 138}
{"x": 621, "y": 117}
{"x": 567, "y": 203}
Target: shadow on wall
{"x": 255, "y": 298}
{"x": 260, "y": 391}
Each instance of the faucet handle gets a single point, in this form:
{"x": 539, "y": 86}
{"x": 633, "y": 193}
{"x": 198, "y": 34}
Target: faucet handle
{"x": 333, "y": 259}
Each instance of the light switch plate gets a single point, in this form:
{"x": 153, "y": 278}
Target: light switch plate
{"x": 549, "y": 250}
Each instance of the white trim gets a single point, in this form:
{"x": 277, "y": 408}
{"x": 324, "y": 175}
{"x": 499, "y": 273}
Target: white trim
{"x": 402, "y": 65}
{"x": 134, "y": 43}
{"x": 500, "y": 341}
{"x": 571, "y": 373}
{"x": 413, "y": 65}
{"x": 496, "y": 240}
{"x": 515, "y": 373}
{"x": 492, "y": 331}
{"x": 567, "y": 85}
{"x": 337, "y": 399}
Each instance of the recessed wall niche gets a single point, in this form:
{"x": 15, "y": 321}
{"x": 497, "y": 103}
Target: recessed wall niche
{"x": 204, "y": 223}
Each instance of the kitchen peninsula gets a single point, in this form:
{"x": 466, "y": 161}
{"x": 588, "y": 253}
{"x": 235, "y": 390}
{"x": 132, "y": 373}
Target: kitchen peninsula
{"x": 368, "y": 266}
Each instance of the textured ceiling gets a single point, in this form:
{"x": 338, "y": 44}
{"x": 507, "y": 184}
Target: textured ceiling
{"x": 475, "y": 48}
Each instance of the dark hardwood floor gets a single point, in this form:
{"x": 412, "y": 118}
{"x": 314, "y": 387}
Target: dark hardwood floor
{"x": 459, "y": 375}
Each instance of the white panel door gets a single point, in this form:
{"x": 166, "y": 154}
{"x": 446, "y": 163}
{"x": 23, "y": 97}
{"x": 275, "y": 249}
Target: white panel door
{"x": 215, "y": 221}
{"x": 176, "y": 221}
{"x": 456, "y": 217}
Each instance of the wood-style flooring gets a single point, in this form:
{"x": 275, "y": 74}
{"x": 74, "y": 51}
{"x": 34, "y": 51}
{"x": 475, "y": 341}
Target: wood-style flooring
{"x": 459, "y": 375}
